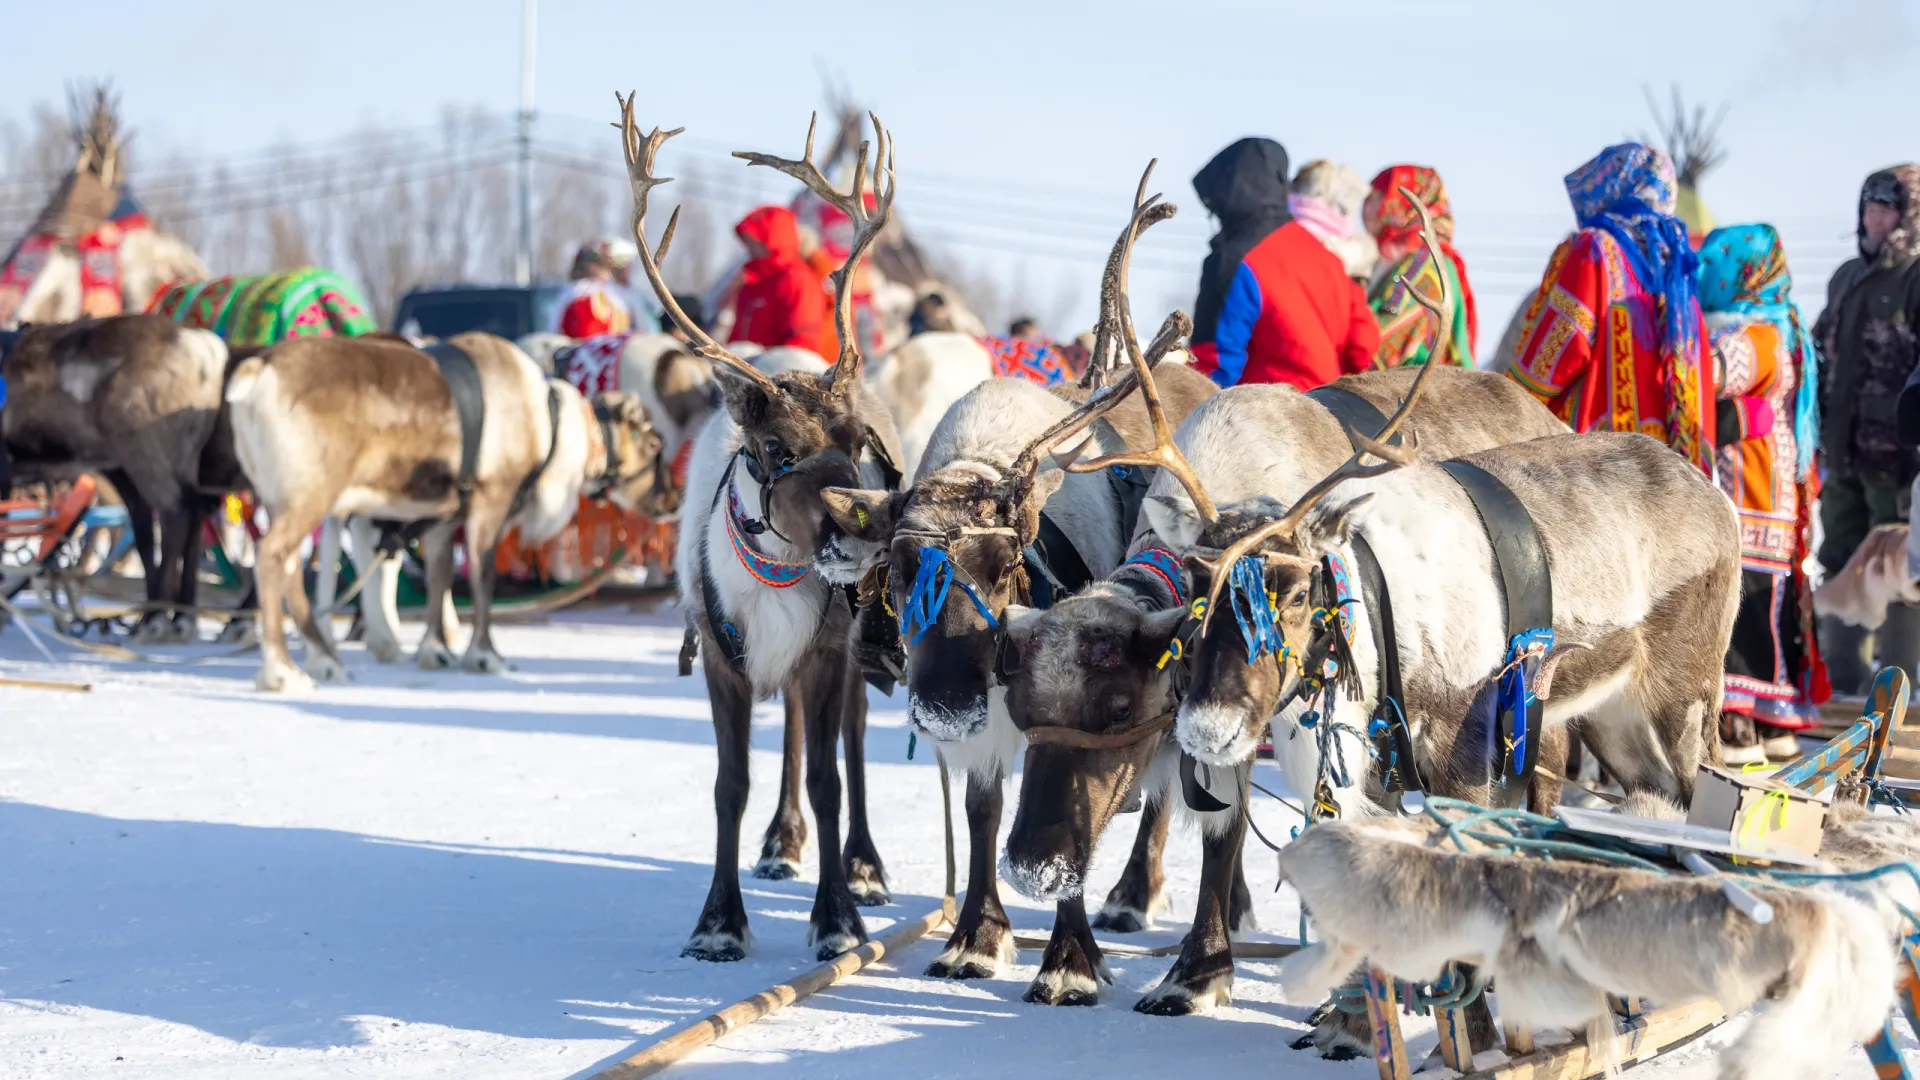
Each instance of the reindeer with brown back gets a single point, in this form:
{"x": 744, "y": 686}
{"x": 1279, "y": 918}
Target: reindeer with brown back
{"x": 754, "y": 524}
{"x": 1641, "y": 554}
{"x": 991, "y": 522}
{"x": 1095, "y": 687}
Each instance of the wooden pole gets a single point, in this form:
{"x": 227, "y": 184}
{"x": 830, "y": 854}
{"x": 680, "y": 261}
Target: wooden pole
{"x": 38, "y": 684}
{"x": 769, "y": 1001}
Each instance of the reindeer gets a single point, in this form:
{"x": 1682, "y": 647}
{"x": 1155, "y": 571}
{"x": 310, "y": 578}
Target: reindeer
{"x": 1094, "y": 688}
{"x": 137, "y": 397}
{"x": 1644, "y": 557}
{"x": 762, "y": 617}
{"x": 974, "y": 515}
{"x": 369, "y": 426}
{"x": 1561, "y": 935}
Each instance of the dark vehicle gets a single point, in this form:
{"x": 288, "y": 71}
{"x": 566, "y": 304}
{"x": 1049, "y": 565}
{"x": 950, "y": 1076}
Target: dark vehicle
{"x": 509, "y": 311}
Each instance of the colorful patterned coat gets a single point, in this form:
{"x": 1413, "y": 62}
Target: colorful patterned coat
{"x": 1590, "y": 348}
{"x": 265, "y": 308}
{"x": 1756, "y": 466}
{"x": 1406, "y": 328}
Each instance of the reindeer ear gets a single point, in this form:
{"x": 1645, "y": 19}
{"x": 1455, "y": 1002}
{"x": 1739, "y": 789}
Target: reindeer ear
{"x": 1156, "y": 632}
{"x": 1064, "y": 456}
{"x": 746, "y": 400}
{"x": 1329, "y": 526}
{"x": 1174, "y": 520}
{"x": 1046, "y": 483}
{"x": 624, "y": 407}
{"x": 1018, "y": 624}
{"x": 863, "y": 514}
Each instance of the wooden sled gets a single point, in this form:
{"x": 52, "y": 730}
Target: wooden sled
{"x": 1856, "y": 755}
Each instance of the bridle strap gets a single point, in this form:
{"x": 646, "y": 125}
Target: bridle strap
{"x": 1116, "y": 739}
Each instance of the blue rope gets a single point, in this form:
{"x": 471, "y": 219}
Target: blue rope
{"x": 1247, "y": 581}
{"x": 929, "y": 595}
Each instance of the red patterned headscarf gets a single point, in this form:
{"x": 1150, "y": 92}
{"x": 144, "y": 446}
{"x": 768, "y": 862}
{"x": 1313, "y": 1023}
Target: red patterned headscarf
{"x": 1396, "y": 226}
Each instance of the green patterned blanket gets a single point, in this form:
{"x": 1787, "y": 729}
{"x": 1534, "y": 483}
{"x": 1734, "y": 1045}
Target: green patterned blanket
{"x": 261, "y": 309}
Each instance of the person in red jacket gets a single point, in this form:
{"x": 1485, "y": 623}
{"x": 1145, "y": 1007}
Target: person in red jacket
{"x": 780, "y": 299}
{"x": 1275, "y": 305}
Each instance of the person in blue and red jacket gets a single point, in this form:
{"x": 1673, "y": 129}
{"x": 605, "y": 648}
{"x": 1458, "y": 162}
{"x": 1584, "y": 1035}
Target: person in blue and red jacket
{"x": 1275, "y": 305}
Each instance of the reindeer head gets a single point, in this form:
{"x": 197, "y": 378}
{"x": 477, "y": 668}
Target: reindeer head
{"x": 637, "y": 477}
{"x": 800, "y": 432}
{"x": 955, "y": 543}
{"x": 1269, "y": 622}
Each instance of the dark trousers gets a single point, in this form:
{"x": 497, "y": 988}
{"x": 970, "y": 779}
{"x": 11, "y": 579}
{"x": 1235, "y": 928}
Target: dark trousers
{"x": 1850, "y": 508}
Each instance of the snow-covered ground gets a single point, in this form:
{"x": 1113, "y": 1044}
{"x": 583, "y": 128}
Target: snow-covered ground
{"x": 445, "y": 874}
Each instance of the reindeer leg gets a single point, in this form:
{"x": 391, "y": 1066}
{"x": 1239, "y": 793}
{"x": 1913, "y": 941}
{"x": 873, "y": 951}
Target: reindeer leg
{"x": 1202, "y": 976}
{"x": 1141, "y": 890}
{"x": 722, "y": 934}
{"x": 174, "y": 524}
{"x": 484, "y": 527}
{"x": 152, "y": 625}
{"x": 786, "y": 837}
{"x": 866, "y": 877}
{"x": 276, "y": 573}
{"x": 1339, "y": 1034}
{"x": 438, "y": 542}
{"x": 982, "y": 937}
{"x": 378, "y": 600}
{"x": 835, "y": 926}
{"x": 1072, "y": 971}
{"x": 323, "y": 659}
{"x": 186, "y": 623}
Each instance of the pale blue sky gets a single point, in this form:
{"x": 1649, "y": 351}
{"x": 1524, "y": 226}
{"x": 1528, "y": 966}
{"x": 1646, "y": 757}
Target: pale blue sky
{"x": 1049, "y": 110}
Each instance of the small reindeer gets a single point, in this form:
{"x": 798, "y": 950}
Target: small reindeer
{"x": 752, "y": 534}
{"x": 972, "y": 520}
{"x": 1558, "y": 936}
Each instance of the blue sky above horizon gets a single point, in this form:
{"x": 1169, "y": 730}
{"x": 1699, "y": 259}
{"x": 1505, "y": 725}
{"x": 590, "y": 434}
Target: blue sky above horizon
{"x": 1052, "y": 109}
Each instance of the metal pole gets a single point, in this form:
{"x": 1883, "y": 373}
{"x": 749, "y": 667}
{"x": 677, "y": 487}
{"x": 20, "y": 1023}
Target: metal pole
{"x": 523, "y": 260}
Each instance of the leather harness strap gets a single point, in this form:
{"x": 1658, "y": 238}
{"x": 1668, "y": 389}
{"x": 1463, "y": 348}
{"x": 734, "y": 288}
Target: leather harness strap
{"x": 1520, "y": 559}
{"x": 1392, "y": 739}
{"x": 1353, "y": 411}
{"x": 553, "y": 447}
{"x": 469, "y": 404}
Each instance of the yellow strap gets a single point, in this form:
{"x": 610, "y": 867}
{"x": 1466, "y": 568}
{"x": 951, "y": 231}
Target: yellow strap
{"x": 1753, "y": 830}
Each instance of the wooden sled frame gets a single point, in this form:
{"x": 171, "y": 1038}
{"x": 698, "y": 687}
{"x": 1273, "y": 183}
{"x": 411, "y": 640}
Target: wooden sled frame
{"x": 1855, "y": 754}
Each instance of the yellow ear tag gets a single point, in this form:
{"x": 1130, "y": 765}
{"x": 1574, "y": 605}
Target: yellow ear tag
{"x": 860, "y": 513}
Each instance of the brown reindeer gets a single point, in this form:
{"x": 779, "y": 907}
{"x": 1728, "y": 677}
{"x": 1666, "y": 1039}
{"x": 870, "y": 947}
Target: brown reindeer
{"x": 137, "y": 398}
{"x": 1643, "y": 554}
{"x": 369, "y": 426}
{"x": 1010, "y": 529}
{"x": 754, "y": 525}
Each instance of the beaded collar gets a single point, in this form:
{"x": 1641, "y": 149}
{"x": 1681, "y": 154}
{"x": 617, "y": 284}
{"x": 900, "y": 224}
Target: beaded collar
{"x": 765, "y": 569}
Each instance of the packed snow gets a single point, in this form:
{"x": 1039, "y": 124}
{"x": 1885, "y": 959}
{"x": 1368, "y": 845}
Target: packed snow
{"x": 429, "y": 874}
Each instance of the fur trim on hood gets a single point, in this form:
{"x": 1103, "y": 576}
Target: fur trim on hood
{"x": 1902, "y": 245}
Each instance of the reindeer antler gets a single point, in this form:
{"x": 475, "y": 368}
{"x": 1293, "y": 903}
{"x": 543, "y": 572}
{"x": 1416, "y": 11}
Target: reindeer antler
{"x": 1391, "y": 457}
{"x": 1116, "y": 315}
{"x": 640, "y": 155}
{"x": 848, "y": 367}
{"x": 1116, "y": 320}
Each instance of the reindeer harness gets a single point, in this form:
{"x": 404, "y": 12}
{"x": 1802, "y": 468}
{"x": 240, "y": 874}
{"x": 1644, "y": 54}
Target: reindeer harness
{"x": 1511, "y": 713}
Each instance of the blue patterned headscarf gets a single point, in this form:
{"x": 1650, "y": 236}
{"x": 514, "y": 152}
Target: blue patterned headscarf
{"x": 1743, "y": 273}
{"x": 1628, "y": 191}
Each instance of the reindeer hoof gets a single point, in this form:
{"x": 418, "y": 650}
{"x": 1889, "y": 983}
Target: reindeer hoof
{"x": 1342, "y": 1053}
{"x": 433, "y": 656}
{"x": 1063, "y": 988}
{"x": 239, "y": 632}
{"x": 717, "y": 948}
{"x": 277, "y": 678}
{"x": 838, "y": 943}
{"x": 485, "y": 663}
{"x": 776, "y": 869}
{"x": 155, "y": 629}
{"x": 385, "y": 650}
{"x": 1178, "y": 999}
{"x": 1304, "y": 1042}
{"x": 958, "y": 970}
{"x": 325, "y": 669}
{"x": 1121, "y": 920}
{"x": 183, "y": 630}
{"x": 867, "y": 883}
